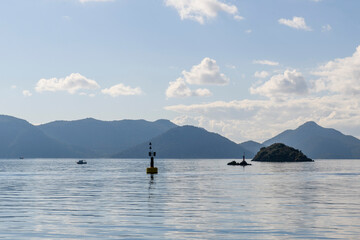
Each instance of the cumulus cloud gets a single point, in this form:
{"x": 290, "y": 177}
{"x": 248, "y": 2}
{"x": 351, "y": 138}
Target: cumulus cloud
{"x": 27, "y": 93}
{"x": 262, "y": 74}
{"x": 261, "y": 119}
{"x": 266, "y": 62}
{"x": 258, "y": 120}
{"x": 296, "y": 22}
{"x": 179, "y": 88}
{"x": 206, "y": 73}
{"x": 341, "y": 75}
{"x": 289, "y": 83}
{"x": 121, "y": 90}
{"x": 202, "y": 10}
{"x": 71, "y": 84}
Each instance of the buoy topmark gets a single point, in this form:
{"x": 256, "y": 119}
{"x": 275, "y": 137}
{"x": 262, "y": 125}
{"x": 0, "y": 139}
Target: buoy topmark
{"x": 151, "y": 169}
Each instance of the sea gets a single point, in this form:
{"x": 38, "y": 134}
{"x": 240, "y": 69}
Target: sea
{"x": 187, "y": 199}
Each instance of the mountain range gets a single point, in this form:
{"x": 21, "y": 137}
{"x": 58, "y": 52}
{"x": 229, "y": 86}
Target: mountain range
{"x": 188, "y": 142}
{"x": 105, "y": 138}
{"x": 319, "y": 143}
{"x": 91, "y": 138}
{"x": 19, "y": 138}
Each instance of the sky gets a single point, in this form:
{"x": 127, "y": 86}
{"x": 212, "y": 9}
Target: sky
{"x": 246, "y": 69}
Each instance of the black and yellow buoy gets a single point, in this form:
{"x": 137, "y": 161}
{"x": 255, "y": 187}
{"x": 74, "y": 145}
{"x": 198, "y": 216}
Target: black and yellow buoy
{"x": 151, "y": 169}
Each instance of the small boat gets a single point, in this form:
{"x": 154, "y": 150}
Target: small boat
{"x": 81, "y": 162}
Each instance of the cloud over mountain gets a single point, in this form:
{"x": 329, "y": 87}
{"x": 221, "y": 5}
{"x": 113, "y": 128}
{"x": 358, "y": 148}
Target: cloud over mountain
{"x": 341, "y": 75}
{"x": 71, "y": 84}
{"x": 179, "y": 88}
{"x": 290, "y": 82}
{"x": 261, "y": 119}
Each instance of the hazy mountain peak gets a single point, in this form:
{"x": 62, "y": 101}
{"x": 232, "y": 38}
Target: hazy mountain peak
{"x": 319, "y": 142}
{"x": 310, "y": 124}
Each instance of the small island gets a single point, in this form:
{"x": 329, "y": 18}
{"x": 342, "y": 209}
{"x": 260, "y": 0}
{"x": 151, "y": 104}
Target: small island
{"x": 279, "y": 152}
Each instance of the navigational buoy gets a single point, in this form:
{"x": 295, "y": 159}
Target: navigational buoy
{"x": 151, "y": 169}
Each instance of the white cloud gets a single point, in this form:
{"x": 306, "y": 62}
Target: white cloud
{"x": 121, "y": 90}
{"x": 261, "y": 119}
{"x": 239, "y": 18}
{"x": 248, "y": 31}
{"x": 262, "y": 74}
{"x": 340, "y": 75}
{"x": 266, "y": 62}
{"x": 287, "y": 84}
{"x": 71, "y": 84}
{"x": 179, "y": 88}
{"x": 296, "y": 22}
{"x": 326, "y": 28}
{"x": 258, "y": 120}
{"x": 202, "y": 10}
{"x": 27, "y": 93}
{"x": 13, "y": 86}
{"x": 206, "y": 73}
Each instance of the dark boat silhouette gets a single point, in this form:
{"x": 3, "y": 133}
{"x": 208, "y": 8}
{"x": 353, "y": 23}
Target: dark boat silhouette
{"x": 81, "y": 162}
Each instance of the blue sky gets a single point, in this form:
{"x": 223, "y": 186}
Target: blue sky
{"x": 247, "y": 69}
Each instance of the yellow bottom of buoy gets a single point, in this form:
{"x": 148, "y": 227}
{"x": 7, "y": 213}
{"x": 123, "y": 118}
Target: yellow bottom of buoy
{"x": 152, "y": 170}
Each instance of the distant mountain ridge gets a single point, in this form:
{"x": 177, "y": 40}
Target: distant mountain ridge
{"x": 318, "y": 142}
{"x": 91, "y": 138}
{"x": 188, "y": 142}
{"x": 18, "y": 138}
{"x": 105, "y": 138}
{"x": 252, "y": 146}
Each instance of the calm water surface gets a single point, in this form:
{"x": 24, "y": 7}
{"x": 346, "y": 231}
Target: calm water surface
{"x": 188, "y": 199}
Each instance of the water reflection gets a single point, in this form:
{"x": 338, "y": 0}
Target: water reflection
{"x": 196, "y": 199}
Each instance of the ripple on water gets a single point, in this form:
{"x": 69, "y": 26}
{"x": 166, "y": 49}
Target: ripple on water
{"x": 188, "y": 199}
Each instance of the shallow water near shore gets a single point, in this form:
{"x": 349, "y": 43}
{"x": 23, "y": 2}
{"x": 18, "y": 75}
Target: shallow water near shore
{"x": 188, "y": 199}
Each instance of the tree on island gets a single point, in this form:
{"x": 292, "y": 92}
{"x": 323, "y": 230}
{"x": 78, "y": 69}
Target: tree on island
{"x": 279, "y": 152}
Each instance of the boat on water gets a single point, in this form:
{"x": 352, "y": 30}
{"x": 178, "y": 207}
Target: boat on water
{"x": 81, "y": 162}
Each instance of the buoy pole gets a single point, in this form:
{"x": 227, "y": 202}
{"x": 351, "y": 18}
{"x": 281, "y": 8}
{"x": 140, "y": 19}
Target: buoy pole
{"x": 152, "y": 169}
